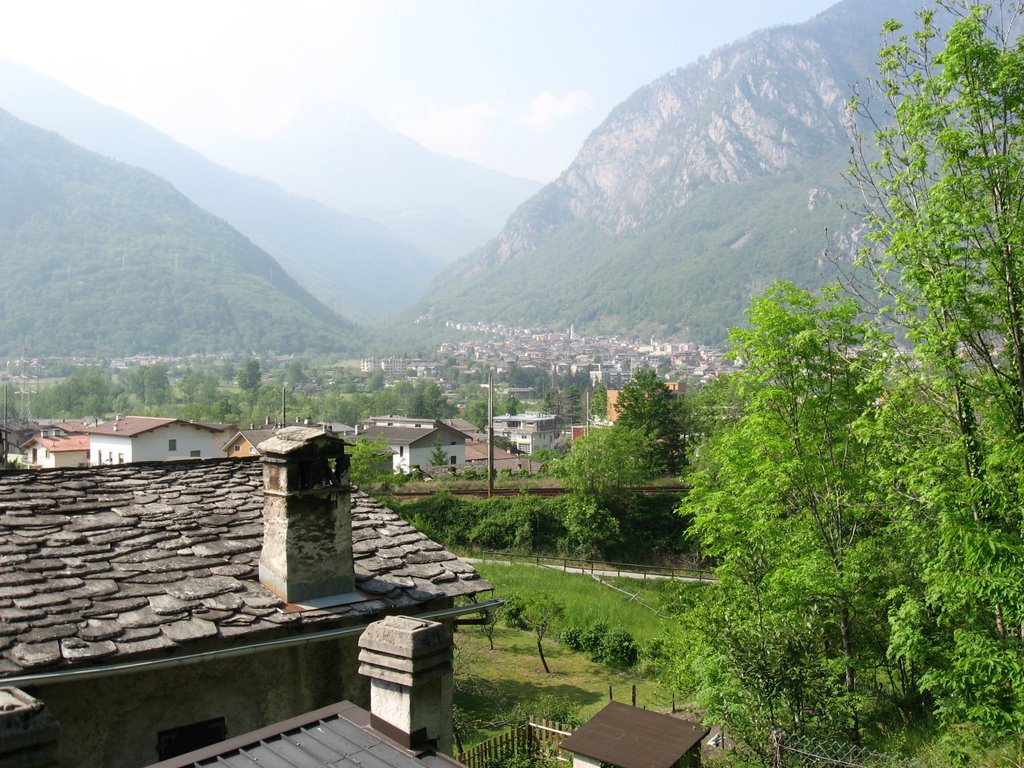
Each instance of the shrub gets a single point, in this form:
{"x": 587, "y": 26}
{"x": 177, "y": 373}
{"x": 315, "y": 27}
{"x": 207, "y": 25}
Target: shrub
{"x": 618, "y": 648}
{"x": 570, "y": 637}
{"x": 512, "y": 612}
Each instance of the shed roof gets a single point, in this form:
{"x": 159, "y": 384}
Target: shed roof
{"x": 629, "y": 737}
{"x": 338, "y": 736}
{"x": 125, "y": 562}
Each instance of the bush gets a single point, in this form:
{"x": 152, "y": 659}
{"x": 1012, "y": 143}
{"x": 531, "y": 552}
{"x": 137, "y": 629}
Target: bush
{"x": 602, "y": 644}
{"x": 570, "y": 637}
{"x": 618, "y": 648}
{"x": 512, "y": 612}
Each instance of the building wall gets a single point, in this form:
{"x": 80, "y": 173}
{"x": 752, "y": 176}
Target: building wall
{"x": 155, "y": 445}
{"x": 115, "y": 722}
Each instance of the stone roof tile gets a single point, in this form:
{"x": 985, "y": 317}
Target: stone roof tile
{"x": 119, "y": 563}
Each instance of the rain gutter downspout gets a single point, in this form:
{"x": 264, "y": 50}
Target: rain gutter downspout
{"x": 74, "y": 675}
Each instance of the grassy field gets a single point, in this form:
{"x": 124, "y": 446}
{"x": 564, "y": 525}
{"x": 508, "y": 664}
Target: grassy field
{"x": 586, "y": 600}
{"x": 489, "y": 684}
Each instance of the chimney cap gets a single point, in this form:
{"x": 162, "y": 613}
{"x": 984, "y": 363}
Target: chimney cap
{"x": 290, "y": 440}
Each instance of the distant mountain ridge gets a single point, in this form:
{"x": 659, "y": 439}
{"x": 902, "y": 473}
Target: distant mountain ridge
{"x": 355, "y": 266}
{"x": 692, "y": 195}
{"x": 340, "y": 155}
{"x": 99, "y": 258}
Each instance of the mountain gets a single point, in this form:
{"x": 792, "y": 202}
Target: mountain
{"x": 354, "y": 265}
{"x": 340, "y": 155}
{"x": 99, "y": 258}
{"x": 692, "y": 195}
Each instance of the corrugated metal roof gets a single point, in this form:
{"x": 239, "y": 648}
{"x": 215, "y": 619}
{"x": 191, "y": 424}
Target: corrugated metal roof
{"x": 629, "y": 737}
{"x": 338, "y": 736}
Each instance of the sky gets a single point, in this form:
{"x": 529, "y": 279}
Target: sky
{"x": 513, "y": 85}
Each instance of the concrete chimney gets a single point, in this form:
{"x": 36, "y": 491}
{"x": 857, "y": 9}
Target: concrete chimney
{"x": 409, "y": 663}
{"x": 29, "y": 734}
{"x": 307, "y": 516}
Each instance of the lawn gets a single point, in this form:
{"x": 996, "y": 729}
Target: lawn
{"x": 491, "y": 683}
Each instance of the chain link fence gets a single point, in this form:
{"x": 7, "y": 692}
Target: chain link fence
{"x": 793, "y": 751}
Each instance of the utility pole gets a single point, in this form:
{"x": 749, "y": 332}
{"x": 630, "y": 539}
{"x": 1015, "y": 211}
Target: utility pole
{"x": 490, "y": 434}
{"x": 3, "y": 434}
{"x": 284, "y": 408}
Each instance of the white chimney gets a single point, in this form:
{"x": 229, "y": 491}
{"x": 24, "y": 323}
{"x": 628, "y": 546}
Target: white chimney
{"x": 409, "y": 663}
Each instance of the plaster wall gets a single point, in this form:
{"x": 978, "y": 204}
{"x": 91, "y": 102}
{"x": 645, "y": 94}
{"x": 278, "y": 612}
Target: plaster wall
{"x": 114, "y": 722}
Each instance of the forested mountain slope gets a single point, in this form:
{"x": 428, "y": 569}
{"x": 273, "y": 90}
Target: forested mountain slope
{"x": 333, "y": 254}
{"x": 98, "y": 258}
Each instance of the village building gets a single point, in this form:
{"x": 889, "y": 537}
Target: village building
{"x": 56, "y": 451}
{"x": 413, "y": 442}
{"x": 128, "y": 439}
{"x": 151, "y": 609}
{"x": 528, "y": 431}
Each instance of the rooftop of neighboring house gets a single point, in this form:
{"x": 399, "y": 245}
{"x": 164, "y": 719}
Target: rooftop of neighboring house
{"x": 420, "y": 430}
{"x": 60, "y": 443}
{"x": 338, "y": 736}
{"x": 130, "y": 426}
{"x": 121, "y": 563}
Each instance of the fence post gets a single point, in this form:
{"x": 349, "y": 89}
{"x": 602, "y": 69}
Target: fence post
{"x": 634, "y": 694}
{"x": 610, "y": 697}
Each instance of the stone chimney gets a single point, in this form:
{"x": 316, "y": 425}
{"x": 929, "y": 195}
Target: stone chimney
{"x": 29, "y": 734}
{"x": 307, "y": 516}
{"x": 409, "y": 663}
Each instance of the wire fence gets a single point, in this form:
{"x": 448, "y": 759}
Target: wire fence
{"x": 796, "y": 751}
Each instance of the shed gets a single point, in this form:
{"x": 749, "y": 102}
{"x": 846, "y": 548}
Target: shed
{"x": 627, "y": 737}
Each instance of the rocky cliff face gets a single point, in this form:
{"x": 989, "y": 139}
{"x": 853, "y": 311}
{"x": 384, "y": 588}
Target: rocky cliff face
{"x": 764, "y": 105}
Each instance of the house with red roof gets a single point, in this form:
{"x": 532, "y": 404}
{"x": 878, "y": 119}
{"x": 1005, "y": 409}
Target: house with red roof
{"x": 53, "y": 451}
{"x": 129, "y": 439}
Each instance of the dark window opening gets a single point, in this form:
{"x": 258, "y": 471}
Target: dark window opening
{"x": 178, "y": 741}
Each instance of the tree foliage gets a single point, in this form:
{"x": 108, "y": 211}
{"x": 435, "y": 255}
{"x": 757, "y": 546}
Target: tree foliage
{"x": 944, "y": 200}
{"x": 646, "y": 404}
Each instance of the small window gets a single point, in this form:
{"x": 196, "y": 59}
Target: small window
{"x": 172, "y": 444}
{"x": 47, "y": 453}
{"x": 453, "y": 460}
{"x": 178, "y": 741}
{"x": 120, "y": 458}
{"x": 401, "y": 450}
{"x": 194, "y": 454}
{"x": 236, "y": 447}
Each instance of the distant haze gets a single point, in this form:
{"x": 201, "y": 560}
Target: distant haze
{"x": 513, "y": 85}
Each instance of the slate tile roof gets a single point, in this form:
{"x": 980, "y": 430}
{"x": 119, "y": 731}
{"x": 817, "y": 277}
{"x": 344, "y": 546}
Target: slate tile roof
{"x": 116, "y": 563}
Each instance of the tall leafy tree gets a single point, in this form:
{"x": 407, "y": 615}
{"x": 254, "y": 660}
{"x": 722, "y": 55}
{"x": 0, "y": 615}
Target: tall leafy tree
{"x": 785, "y": 502}
{"x": 945, "y": 198}
{"x": 646, "y": 404}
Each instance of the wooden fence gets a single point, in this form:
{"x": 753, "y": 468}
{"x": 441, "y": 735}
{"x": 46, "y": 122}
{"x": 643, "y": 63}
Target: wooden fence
{"x": 604, "y": 568}
{"x": 538, "y": 738}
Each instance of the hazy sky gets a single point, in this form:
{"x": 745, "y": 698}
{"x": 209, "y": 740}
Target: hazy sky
{"x": 515, "y": 85}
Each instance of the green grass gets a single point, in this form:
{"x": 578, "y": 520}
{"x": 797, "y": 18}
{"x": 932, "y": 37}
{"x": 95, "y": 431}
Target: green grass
{"x": 586, "y": 600}
{"x": 490, "y": 683}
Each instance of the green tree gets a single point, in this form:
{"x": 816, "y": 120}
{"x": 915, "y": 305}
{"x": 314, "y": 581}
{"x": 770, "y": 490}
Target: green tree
{"x": 599, "y": 402}
{"x": 944, "y": 197}
{"x": 607, "y": 463}
{"x": 786, "y": 504}
{"x": 438, "y": 456}
{"x": 646, "y": 404}
{"x": 539, "y": 614}
{"x": 369, "y": 463}
{"x": 250, "y": 376}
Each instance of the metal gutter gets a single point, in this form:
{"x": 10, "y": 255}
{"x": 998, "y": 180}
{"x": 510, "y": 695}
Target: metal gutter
{"x": 74, "y": 675}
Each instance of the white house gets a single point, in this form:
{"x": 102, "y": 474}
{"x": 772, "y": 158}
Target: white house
{"x": 52, "y": 451}
{"x": 145, "y": 438}
{"x": 413, "y": 441}
{"x": 528, "y": 431}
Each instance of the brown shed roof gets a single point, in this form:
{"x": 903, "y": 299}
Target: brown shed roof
{"x": 629, "y": 737}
